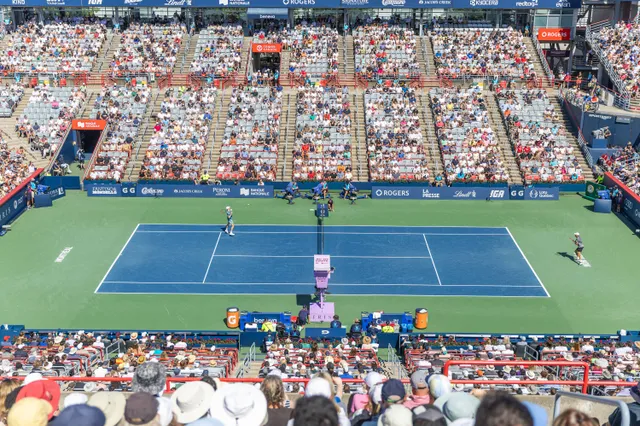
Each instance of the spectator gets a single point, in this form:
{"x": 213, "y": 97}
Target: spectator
{"x": 572, "y": 417}
{"x": 303, "y": 316}
{"x": 141, "y": 409}
{"x": 315, "y": 411}
{"x": 396, "y": 415}
{"x": 615, "y": 419}
{"x": 80, "y": 414}
{"x": 419, "y": 390}
{"x": 112, "y": 405}
{"x": 336, "y": 322}
{"x": 29, "y": 412}
{"x": 273, "y": 390}
{"x": 191, "y": 401}
{"x": 239, "y": 404}
{"x": 45, "y": 390}
{"x": 6, "y": 387}
{"x": 501, "y": 409}
{"x": 147, "y": 48}
{"x": 459, "y": 405}
{"x": 150, "y": 377}
{"x": 428, "y": 415}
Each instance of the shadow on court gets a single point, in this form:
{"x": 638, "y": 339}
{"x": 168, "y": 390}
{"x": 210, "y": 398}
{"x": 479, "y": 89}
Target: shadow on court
{"x": 566, "y": 255}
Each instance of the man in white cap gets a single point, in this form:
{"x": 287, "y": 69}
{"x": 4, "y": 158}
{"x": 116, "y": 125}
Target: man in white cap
{"x": 579, "y": 247}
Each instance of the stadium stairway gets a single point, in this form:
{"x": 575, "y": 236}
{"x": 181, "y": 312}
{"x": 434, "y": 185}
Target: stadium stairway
{"x": 420, "y": 55}
{"x": 349, "y": 56}
{"x": 8, "y": 125}
{"x": 246, "y": 55}
{"x": 92, "y": 94}
{"x": 428, "y": 56}
{"x": 571, "y": 134}
{"x": 220, "y": 112}
{"x": 537, "y": 61}
{"x": 506, "y": 149}
{"x": 285, "y": 60}
{"x": 143, "y": 138}
{"x": 359, "y": 139}
{"x": 287, "y": 137}
{"x": 188, "y": 53}
{"x": 431, "y": 146}
{"x": 107, "y": 52}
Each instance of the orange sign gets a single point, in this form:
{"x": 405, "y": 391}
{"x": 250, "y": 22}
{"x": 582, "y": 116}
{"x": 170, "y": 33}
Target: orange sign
{"x": 554, "y": 34}
{"x": 266, "y": 47}
{"x": 88, "y": 124}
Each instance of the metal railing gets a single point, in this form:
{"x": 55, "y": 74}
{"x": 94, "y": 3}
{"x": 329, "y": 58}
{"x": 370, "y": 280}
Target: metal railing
{"x": 543, "y": 59}
{"x": 394, "y": 364}
{"x": 215, "y": 130}
{"x": 96, "y": 151}
{"x": 581, "y": 140}
{"x": 286, "y": 139}
{"x": 246, "y": 361}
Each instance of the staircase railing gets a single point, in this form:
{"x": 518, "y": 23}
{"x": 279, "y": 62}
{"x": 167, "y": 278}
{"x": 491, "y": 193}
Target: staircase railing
{"x": 543, "y": 60}
{"x": 215, "y": 130}
{"x": 286, "y": 140}
{"x": 96, "y": 150}
{"x": 582, "y": 143}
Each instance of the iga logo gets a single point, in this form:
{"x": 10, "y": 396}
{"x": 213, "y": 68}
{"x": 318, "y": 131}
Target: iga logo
{"x": 496, "y": 193}
{"x": 94, "y": 2}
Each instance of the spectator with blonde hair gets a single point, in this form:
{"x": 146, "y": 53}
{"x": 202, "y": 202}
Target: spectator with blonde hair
{"x": 273, "y": 390}
{"x": 6, "y": 387}
{"x": 573, "y": 417}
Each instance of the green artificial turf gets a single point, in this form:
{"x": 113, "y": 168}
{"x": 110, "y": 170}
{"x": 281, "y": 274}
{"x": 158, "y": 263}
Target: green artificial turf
{"x": 40, "y": 293}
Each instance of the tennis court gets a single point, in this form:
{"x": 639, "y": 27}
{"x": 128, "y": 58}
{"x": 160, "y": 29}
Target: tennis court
{"x": 278, "y": 259}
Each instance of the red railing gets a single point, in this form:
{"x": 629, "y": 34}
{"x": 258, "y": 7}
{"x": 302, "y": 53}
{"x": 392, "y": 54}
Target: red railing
{"x": 20, "y": 187}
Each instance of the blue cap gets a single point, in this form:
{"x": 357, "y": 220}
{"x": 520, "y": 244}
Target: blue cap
{"x": 393, "y": 391}
{"x": 80, "y": 415}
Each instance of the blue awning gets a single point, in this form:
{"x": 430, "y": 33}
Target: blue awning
{"x": 267, "y": 13}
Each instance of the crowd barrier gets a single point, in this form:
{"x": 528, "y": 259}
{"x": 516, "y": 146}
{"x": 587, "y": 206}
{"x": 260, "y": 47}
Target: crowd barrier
{"x": 178, "y": 191}
{"x": 466, "y": 193}
{"x": 14, "y": 203}
{"x": 631, "y": 200}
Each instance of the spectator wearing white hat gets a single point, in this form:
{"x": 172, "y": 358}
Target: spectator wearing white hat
{"x": 239, "y": 404}
{"x": 192, "y": 401}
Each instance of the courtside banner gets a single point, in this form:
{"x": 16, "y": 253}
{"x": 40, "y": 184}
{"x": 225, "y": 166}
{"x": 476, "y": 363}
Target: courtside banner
{"x": 266, "y": 47}
{"x": 516, "y": 192}
{"x": 325, "y": 333}
{"x": 56, "y": 193}
{"x": 15, "y": 202}
{"x": 88, "y": 124}
{"x": 543, "y": 194}
{"x": 104, "y": 190}
{"x": 440, "y": 193}
{"x": 203, "y": 191}
{"x": 630, "y": 201}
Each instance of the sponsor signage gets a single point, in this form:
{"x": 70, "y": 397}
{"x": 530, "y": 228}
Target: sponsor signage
{"x": 266, "y": 47}
{"x": 325, "y": 333}
{"x": 554, "y": 34}
{"x": 203, "y": 191}
{"x": 104, "y": 190}
{"x": 88, "y": 124}
{"x": 516, "y": 192}
{"x": 14, "y": 203}
{"x": 307, "y": 4}
{"x": 542, "y": 194}
{"x": 56, "y": 193}
{"x": 321, "y": 262}
{"x": 440, "y": 193}
{"x": 128, "y": 189}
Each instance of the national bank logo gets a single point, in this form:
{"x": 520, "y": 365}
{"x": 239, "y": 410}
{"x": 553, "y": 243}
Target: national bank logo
{"x": 483, "y": 3}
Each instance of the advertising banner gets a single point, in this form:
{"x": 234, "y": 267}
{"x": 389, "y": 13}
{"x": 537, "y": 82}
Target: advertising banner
{"x": 56, "y": 193}
{"x": 104, "y": 189}
{"x": 554, "y": 34}
{"x": 325, "y": 333}
{"x": 440, "y": 193}
{"x": 543, "y": 194}
{"x": 517, "y": 4}
{"x": 14, "y": 203}
{"x": 128, "y": 189}
{"x": 266, "y": 47}
{"x": 203, "y": 191}
{"x": 592, "y": 188}
{"x": 88, "y": 124}
{"x": 516, "y": 192}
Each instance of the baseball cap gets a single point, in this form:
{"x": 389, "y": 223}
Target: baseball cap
{"x": 46, "y": 390}
{"x": 393, "y": 391}
{"x": 396, "y": 415}
{"x": 373, "y": 378}
{"x": 427, "y": 412}
{"x": 419, "y": 379}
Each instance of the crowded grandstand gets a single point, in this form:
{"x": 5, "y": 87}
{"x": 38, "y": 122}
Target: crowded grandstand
{"x": 379, "y": 124}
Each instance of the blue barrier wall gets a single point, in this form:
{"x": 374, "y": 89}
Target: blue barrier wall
{"x": 66, "y": 182}
{"x": 631, "y": 201}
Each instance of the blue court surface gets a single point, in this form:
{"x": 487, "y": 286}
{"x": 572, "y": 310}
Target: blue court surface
{"x": 278, "y": 259}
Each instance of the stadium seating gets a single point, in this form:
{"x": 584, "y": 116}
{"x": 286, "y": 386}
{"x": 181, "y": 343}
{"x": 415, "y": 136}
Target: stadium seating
{"x": 249, "y": 148}
{"x": 394, "y": 139}
{"x": 10, "y": 96}
{"x": 314, "y": 51}
{"x": 619, "y": 45}
{"x": 148, "y": 49}
{"x": 323, "y": 135}
{"x": 218, "y": 51}
{"x": 624, "y": 164}
{"x": 52, "y": 48}
{"x": 14, "y": 167}
{"x": 542, "y": 149}
{"x": 124, "y": 109}
{"x": 176, "y": 150}
{"x": 385, "y": 52}
{"x": 47, "y": 117}
{"x": 480, "y": 51}
{"x": 469, "y": 147}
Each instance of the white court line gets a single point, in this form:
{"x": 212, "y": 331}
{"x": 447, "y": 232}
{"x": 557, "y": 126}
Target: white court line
{"x": 313, "y": 284}
{"x": 315, "y": 232}
{"x": 457, "y": 296}
{"x": 332, "y": 256}
{"x": 527, "y": 260}
{"x": 329, "y": 226}
{"x": 212, "y": 254}
{"x": 116, "y": 259}
{"x": 432, "y": 261}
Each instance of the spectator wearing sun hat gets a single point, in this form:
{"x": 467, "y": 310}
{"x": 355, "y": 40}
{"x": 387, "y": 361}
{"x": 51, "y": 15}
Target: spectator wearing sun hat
{"x": 45, "y": 390}
{"x": 396, "y": 415}
{"x": 150, "y": 378}
{"x": 29, "y": 412}
{"x": 419, "y": 390}
{"x": 191, "y": 401}
{"x": 141, "y": 409}
{"x": 239, "y": 405}
{"x": 111, "y": 404}
{"x": 615, "y": 419}
{"x": 457, "y": 406}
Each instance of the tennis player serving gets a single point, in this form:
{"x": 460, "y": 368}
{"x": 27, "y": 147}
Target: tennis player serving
{"x": 230, "y": 225}
{"x": 577, "y": 240}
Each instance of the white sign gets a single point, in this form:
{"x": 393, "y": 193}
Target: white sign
{"x": 322, "y": 262}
